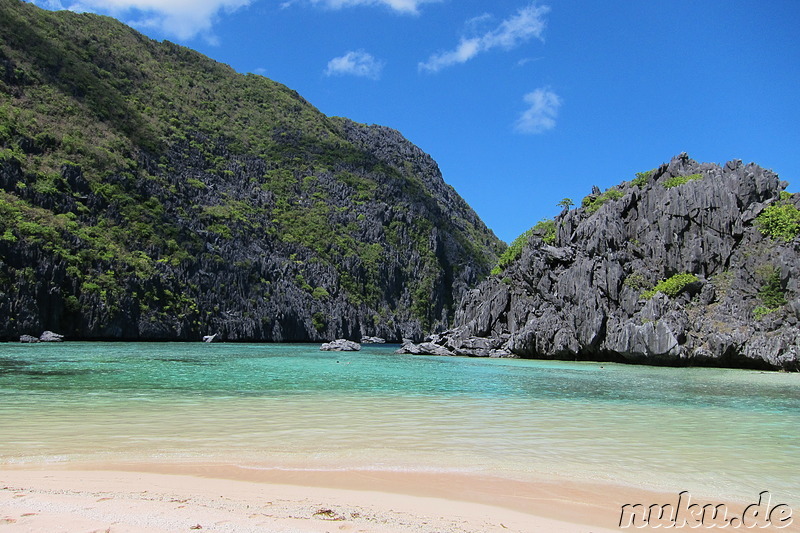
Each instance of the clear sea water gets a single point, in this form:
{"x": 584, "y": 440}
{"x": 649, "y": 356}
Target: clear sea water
{"x": 718, "y": 432}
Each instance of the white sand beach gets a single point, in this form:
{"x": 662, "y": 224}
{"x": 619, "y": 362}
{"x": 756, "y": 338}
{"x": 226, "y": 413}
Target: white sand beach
{"x": 129, "y": 501}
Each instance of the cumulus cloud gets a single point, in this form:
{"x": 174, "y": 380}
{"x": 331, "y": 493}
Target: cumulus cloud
{"x": 183, "y": 19}
{"x": 401, "y": 6}
{"x": 541, "y": 114}
{"x": 357, "y": 63}
{"x": 526, "y": 24}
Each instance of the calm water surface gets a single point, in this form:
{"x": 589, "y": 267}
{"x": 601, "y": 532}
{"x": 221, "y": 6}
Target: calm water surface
{"x": 719, "y": 432}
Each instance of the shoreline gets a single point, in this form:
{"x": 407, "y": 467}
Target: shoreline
{"x": 157, "y": 497}
{"x": 610, "y": 358}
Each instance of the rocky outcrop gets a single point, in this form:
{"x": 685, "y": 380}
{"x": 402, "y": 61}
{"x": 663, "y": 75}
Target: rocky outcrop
{"x": 340, "y": 345}
{"x": 585, "y": 294}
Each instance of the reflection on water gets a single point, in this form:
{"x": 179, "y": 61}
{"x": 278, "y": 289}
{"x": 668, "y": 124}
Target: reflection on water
{"x": 716, "y": 431}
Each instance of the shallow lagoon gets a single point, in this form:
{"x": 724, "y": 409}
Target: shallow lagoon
{"x": 719, "y": 432}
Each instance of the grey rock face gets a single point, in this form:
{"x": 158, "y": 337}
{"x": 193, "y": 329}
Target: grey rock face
{"x": 340, "y": 345}
{"x": 581, "y": 297}
{"x": 372, "y": 340}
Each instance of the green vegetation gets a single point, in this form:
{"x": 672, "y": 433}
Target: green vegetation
{"x": 320, "y": 293}
{"x": 513, "y": 252}
{"x": 566, "y": 203}
{"x": 546, "y": 229}
{"x": 780, "y": 221}
{"x": 642, "y": 178}
{"x": 319, "y": 321}
{"x": 636, "y": 281}
{"x": 672, "y": 286}
{"x": 771, "y": 293}
{"x": 681, "y": 180}
{"x": 593, "y": 202}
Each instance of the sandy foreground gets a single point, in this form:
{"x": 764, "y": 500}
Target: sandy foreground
{"x": 225, "y": 498}
{"x": 200, "y": 498}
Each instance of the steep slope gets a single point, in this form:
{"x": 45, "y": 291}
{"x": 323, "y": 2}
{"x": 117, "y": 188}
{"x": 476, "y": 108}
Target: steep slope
{"x": 688, "y": 264}
{"x": 148, "y": 192}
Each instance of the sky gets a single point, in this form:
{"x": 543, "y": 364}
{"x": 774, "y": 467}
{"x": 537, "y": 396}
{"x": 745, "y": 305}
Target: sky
{"x": 521, "y": 103}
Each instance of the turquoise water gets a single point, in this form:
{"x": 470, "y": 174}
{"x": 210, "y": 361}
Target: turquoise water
{"x": 719, "y": 432}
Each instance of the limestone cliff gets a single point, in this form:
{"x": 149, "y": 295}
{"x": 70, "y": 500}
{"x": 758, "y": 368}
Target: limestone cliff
{"x": 672, "y": 268}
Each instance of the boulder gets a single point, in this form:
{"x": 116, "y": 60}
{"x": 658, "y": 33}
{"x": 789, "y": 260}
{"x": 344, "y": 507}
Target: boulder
{"x": 340, "y": 345}
{"x": 49, "y": 336}
{"x": 28, "y": 339}
{"x": 424, "y": 348}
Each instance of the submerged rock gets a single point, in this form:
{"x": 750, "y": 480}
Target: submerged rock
{"x": 340, "y": 345}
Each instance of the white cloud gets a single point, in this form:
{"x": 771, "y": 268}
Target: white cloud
{"x": 401, "y": 6}
{"x": 541, "y": 113}
{"x": 528, "y": 22}
{"x": 49, "y": 4}
{"x": 183, "y": 19}
{"x": 358, "y": 63}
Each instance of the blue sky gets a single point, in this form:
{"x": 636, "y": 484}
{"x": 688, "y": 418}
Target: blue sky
{"x": 521, "y": 103}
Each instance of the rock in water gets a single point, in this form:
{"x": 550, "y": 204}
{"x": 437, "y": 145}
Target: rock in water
{"x": 340, "y": 345}
{"x": 372, "y": 340}
{"x": 28, "y": 339}
{"x": 49, "y": 336}
{"x": 672, "y": 268}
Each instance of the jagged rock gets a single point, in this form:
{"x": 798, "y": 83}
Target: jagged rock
{"x": 424, "y": 348}
{"x": 340, "y": 345}
{"x": 580, "y": 297}
{"x": 49, "y": 336}
{"x": 372, "y": 340}
{"x": 28, "y": 339}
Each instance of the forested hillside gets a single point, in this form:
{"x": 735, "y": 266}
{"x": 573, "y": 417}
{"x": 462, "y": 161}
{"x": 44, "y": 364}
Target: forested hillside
{"x": 149, "y": 192}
